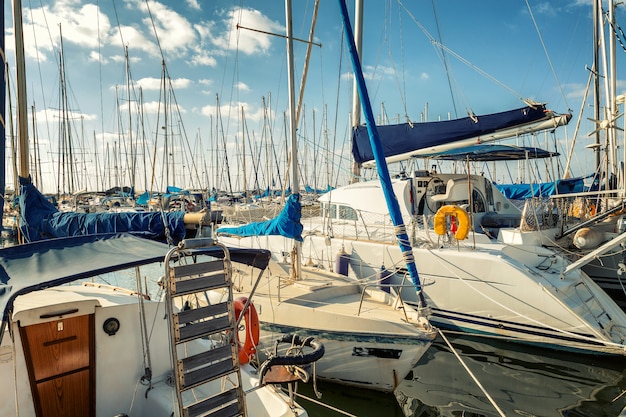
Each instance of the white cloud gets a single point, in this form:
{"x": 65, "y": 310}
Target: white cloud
{"x": 245, "y": 40}
{"x": 193, "y": 4}
{"x": 202, "y": 58}
{"x": 241, "y": 86}
{"x": 155, "y": 84}
{"x": 150, "y": 83}
{"x": 252, "y": 113}
{"x": 176, "y": 34}
{"x": 134, "y": 39}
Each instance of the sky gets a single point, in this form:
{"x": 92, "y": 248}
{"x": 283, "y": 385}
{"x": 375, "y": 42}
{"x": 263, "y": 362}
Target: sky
{"x": 203, "y": 84}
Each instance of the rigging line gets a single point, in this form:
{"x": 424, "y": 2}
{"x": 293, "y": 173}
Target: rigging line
{"x": 41, "y": 83}
{"x": 457, "y": 56}
{"x": 156, "y": 35}
{"x": 401, "y": 84}
{"x": 119, "y": 26}
{"x": 445, "y": 61}
{"x": 532, "y": 16}
{"x": 619, "y": 38}
{"x": 403, "y": 61}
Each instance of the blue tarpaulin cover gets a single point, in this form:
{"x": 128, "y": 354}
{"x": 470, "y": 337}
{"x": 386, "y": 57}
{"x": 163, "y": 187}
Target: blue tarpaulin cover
{"x": 39, "y": 219}
{"x": 524, "y": 191}
{"x": 286, "y": 224}
{"x": 398, "y": 139}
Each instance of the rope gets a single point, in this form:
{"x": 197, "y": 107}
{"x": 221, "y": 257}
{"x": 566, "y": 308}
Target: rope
{"x": 472, "y": 375}
{"x": 546, "y": 52}
{"x": 324, "y": 405}
{"x": 146, "y": 379}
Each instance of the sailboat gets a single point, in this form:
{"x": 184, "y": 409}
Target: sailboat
{"x": 481, "y": 274}
{"x": 589, "y": 221}
{"x": 98, "y": 349}
{"x": 371, "y": 340}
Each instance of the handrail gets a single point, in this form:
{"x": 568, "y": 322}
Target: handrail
{"x": 366, "y": 286}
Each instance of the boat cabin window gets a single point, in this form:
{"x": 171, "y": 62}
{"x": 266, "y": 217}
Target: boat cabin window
{"x": 478, "y": 201}
{"x": 336, "y": 211}
{"x": 347, "y": 213}
{"x": 329, "y": 211}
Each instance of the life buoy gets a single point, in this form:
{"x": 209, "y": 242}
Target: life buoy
{"x": 247, "y": 349}
{"x": 461, "y": 223}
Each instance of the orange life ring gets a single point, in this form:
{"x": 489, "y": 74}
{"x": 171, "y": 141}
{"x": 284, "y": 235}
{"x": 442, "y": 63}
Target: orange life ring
{"x": 461, "y": 225}
{"x": 247, "y": 349}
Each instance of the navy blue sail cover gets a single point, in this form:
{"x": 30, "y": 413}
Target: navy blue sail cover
{"x": 40, "y": 219}
{"x": 402, "y": 138}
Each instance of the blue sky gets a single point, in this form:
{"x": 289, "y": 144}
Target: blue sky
{"x": 496, "y": 52}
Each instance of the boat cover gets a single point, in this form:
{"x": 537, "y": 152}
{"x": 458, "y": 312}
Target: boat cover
{"x": 53, "y": 262}
{"x": 39, "y": 219}
{"x": 546, "y": 189}
{"x": 399, "y": 139}
{"x": 286, "y": 224}
{"x": 491, "y": 152}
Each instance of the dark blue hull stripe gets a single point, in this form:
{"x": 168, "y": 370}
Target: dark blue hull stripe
{"x": 502, "y": 326}
{"x": 345, "y": 336}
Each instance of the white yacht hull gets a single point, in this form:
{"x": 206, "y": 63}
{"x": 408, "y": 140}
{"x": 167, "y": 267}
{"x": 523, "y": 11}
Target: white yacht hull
{"x": 369, "y": 341}
{"x": 496, "y": 290}
{"x": 118, "y": 361}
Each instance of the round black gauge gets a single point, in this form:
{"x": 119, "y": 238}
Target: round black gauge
{"x": 111, "y": 326}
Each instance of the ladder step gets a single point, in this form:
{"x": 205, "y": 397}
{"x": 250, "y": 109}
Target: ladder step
{"x": 192, "y": 285}
{"x": 208, "y": 373}
{"x": 201, "y": 268}
{"x": 201, "y": 329}
{"x": 204, "y": 358}
{"x": 195, "y": 314}
{"x": 201, "y": 408}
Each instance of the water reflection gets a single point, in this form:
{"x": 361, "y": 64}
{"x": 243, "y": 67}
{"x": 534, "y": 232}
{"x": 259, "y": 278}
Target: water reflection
{"x": 522, "y": 381}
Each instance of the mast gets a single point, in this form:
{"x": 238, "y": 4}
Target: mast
{"x": 243, "y": 150}
{"x": 22, "y": 110}
{"x": 133, "y": 167}
{"x": 292, "y": 125}
{"x": 597, "y": 19}
{"x": 3, "y": 120}
{"x": 381, "y": 165}
{"x": 356, "y": 105}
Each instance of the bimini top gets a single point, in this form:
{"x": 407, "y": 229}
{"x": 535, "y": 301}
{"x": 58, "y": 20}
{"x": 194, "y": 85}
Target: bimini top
{"x": 49, "y": 263}
{"x": 491, "y": 152}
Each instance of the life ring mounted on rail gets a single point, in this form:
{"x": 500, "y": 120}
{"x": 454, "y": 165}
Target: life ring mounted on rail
{"x": 459, "y": 219}
{"x": 247, "y": 349}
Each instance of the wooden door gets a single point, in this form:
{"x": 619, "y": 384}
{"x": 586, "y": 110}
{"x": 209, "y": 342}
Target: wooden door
{"x": 60, "y": 359}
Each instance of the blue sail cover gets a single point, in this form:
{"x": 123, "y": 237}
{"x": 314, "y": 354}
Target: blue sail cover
{"x": 286, "y": 224}
{"x": 403, "y": 138}
{"x": 491, "y": 152}
{"x": 39, "y": 219}
{"x": 524, "y": 191}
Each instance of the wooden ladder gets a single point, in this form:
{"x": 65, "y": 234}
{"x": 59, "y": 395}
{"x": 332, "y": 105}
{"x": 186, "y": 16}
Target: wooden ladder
{"x": 207, "y": 374}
